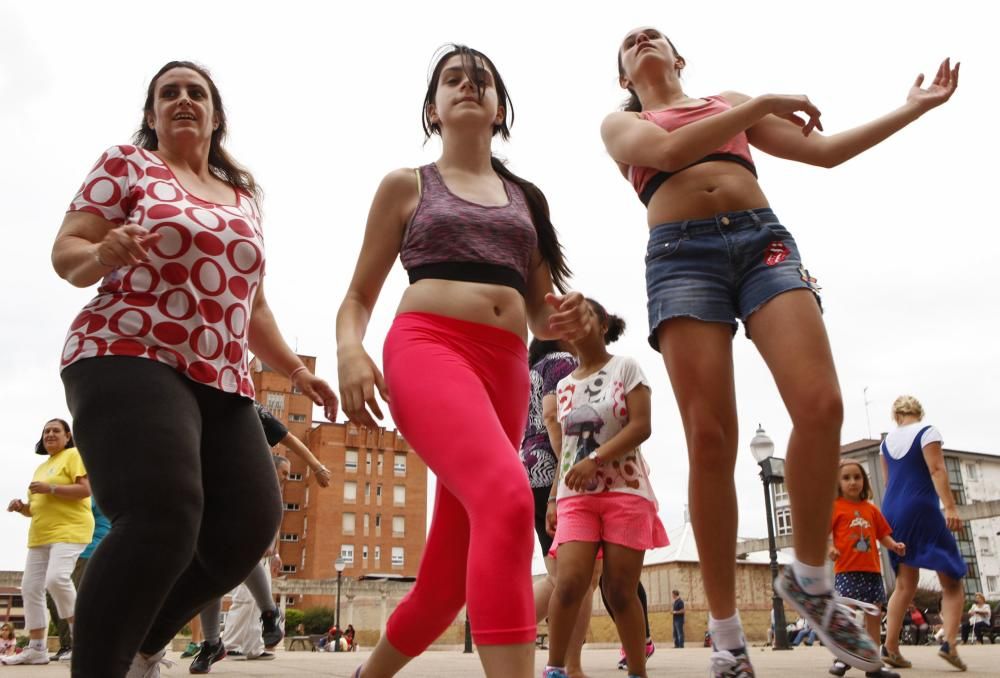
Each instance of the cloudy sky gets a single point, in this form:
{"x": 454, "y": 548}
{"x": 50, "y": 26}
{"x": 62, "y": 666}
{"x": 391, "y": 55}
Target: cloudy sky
{"x": 323, "y": 103}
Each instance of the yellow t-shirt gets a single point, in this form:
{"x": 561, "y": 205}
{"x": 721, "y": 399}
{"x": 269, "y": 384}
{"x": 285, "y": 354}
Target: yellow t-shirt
{"x": 55, "y": 519}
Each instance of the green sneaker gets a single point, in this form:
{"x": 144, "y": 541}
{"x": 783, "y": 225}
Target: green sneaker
{"x": 192, "y": 650}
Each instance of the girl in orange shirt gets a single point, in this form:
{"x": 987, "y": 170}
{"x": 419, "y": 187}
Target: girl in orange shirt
{"x": 857, "y": 526}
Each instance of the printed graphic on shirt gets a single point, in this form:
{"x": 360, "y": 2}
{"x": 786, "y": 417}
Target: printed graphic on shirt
{"x": 862, "y": 543}
{"x": 593, "y": 410}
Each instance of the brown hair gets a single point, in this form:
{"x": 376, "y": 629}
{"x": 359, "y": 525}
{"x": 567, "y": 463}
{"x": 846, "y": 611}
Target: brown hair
{"x": 548, "y": 240}
{"x": 220, "y": 162}
{"x": 866, "y": 485}
{"x": 632, "y": 104}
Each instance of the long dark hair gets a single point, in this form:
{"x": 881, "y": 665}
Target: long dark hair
{"x": 548, "y": 240}
{"x": 539, "y": 348}
{"x": 220, "y": 162}
{"x": 616, "y": 324}
{"x": 632, "y": 104}
{"x": 40, "y": 445}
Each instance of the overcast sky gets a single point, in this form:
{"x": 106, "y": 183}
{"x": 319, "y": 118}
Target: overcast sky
{"x": 322, "y": 103}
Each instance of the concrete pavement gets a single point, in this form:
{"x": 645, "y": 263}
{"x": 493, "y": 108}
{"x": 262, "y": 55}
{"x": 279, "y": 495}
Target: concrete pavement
{"x": 983, "y": 660}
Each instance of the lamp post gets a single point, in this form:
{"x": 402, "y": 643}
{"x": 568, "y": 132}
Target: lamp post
{"x": 339, "y": 565}
{"x": 771, "y": 470}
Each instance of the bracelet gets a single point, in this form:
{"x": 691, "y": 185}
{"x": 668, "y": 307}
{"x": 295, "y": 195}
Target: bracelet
{"x": 97, "y": 258}
{"x": 323, "y": 469}
{"x": 52, "y": 489}
{"x": 296, "y": 371}
{"x": 553, "y": 498}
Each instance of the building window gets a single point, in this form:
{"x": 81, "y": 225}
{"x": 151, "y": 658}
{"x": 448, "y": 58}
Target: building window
{"x": 289, "y": 536}
{"x": 350, "y": 492}
{"x": 364, "y": 553}
{"x": 296, "y": 417}
{"x": 784, "y": 520}
{"x": 380, "y": 463}
{"x": 348, "y": 524}
{"x": 984, "y": 546}
{"x": 366, "y": 524}
{"x": 399, "y": 465}
{"x": 289, "y": 569}
{"x": 378, "y": 520}
{"x": 398, "y": 526}
{"x": 368, "y": 463}
{"x": 992, "y": 583}
{"x": 295, "y": 476}
{"x": 399, "y": 495}
{"x": 275, "y": 403}
{"x": 378, "y": 553}
{"x": 972, "y": 472}
{"x": 347, "y": 553}
{"x": 397, "y": 556}
{"x": 780, "y": 494}
{"x": 351, "y": 461}
{"x": 291, "y": 507}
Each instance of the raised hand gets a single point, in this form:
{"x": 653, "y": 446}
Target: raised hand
{"x": 944, "y": 85}
{"x": 573, "y": 318}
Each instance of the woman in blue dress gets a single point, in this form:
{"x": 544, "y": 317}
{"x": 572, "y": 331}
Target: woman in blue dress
{"x": 917, "y": 486}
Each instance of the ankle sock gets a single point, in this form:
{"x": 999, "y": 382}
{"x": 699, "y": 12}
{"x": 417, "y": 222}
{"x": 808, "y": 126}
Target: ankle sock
{"x": 815, "y": 579}
{"x": 37, "y": 644}
{"x": 727, "y": 634}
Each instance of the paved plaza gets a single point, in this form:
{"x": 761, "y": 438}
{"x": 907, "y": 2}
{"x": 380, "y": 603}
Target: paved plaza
{"x": 599, "y": 663}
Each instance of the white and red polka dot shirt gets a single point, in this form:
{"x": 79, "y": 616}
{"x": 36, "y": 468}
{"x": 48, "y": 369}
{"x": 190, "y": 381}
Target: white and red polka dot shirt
{"x": 189, "y": 307}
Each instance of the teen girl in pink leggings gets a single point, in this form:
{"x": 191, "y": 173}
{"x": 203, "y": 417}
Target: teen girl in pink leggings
{"x": 482, "y": 258}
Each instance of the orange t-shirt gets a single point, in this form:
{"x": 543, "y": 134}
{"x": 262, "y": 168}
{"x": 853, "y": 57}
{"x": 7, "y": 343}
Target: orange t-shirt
{"x": 857, "y": 528}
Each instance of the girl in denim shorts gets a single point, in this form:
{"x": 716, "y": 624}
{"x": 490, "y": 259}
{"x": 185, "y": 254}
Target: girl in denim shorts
{"x": 718, "y": 254}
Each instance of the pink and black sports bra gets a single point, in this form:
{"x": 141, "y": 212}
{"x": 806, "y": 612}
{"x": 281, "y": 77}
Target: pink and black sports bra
{"x": 646, "y": 180}
{"x": 450, "y": 238}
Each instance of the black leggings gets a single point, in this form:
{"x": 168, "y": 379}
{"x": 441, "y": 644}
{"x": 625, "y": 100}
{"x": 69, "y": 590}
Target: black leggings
{"x": 184, "y": 474}
{"x": 642, "y": 601}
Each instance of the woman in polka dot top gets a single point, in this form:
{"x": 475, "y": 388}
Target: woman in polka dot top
{"x": 157, "y": 374}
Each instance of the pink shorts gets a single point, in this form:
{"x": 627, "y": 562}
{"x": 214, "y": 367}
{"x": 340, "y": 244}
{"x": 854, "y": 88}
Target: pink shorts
{"x": 611, "y": 517}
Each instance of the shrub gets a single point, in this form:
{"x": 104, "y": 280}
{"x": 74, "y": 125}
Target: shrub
{"x": 293, "y": 618}
{"x": 318, "y": 619}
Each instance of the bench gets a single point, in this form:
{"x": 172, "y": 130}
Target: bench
{"x": 305, "y": 642}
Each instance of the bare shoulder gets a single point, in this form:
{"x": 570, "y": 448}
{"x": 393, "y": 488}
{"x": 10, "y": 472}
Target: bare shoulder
{"x": 399, "y": 182}
{"x": 735, "y": 98}
{"x": 618, "y": 121}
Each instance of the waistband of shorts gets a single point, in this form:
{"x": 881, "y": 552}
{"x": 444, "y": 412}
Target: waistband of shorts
{"x": 461, "y": 329}
{"x": 723, "y": 221}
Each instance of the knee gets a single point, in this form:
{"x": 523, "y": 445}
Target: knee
{"x": 619, "y": 595}
{"x": 511, "y": 507}
{"x": 711, "y": 443}
{"x": 819, "y": 409}
{"x": 57, "y": 581}
{"x": 570, "y": 589}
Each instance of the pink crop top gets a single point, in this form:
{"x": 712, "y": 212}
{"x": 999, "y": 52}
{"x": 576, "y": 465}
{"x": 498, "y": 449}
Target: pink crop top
{"x": 646, "y": 180}
{"x": 451, "y": 238}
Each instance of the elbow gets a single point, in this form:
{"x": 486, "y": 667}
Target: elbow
{"x": 643, "y": 431}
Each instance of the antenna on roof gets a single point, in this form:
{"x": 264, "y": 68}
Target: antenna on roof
{"x": 867, "y": 416}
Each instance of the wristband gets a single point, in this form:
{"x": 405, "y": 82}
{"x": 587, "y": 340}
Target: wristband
{"x": 552, "y": 499}
{"x": 323, "y": 469}
{"x": 52, "y": 489}
{"x": 296, "y": 371}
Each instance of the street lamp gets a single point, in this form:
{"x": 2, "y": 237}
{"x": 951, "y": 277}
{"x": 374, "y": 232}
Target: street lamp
{"x": 339, "y": 564}
{"x": 771, "y": 470}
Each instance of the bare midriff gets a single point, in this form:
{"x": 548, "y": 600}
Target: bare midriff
{"x": 494, "y": 305}
{"x": 703, "y": 191}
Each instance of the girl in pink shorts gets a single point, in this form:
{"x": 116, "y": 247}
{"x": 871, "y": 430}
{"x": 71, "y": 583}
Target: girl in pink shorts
{"x": 604, "y": 500}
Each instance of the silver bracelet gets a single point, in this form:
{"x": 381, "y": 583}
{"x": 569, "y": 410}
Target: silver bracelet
{"x": 97, "y": 258}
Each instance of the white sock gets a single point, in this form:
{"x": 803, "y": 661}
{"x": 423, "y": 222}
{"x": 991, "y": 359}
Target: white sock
{"x": 815, "y": 579}
{"x": 37, "y": 644}
{"x": 727, "y": 634}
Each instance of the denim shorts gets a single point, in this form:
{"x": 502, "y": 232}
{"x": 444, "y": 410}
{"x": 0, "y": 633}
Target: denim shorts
{"x": 720, "y": 269}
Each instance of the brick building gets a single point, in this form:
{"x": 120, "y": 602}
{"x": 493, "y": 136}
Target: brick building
{"x": 373, "y": 514}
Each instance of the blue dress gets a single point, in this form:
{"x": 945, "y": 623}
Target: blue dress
{"x": 912, "y": 507}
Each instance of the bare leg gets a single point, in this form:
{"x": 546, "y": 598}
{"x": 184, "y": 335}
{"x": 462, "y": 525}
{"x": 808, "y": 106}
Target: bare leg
{"x": 902, "y": 595}
{"x": 873, "y": 624}
{"x": 699, "y": 359}
{"x": 574, "y": 652}
{"x": 508, "y": 661}
{"x": 789, "y": 333}
{"x": 543, "y": 590}
{"x": 952, "y": 600}
{"x": 573, "y": 583}
{"x": 621, "y": 580}
{"x": 385, "y": 660}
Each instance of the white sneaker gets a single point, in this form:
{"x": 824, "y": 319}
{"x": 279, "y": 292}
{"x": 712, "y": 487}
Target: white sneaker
{"x": 66, "y": 656}
{"x": 28, "y": 656}
{"x": 148, "y": 667}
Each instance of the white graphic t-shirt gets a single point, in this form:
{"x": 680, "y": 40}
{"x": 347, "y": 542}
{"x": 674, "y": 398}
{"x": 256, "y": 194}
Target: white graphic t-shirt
{"x": 593, "y": 410}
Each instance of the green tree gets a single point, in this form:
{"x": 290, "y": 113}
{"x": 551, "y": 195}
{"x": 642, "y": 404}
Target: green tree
{"x": 318, "y": 619}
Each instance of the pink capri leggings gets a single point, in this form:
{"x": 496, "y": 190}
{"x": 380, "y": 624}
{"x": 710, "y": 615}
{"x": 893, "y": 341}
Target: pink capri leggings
{"x": 459, "y": 394}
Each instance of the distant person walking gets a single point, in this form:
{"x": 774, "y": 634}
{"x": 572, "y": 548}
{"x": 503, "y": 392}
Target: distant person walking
{"x": 917, "y": 485}
{"x": 678, "y": 612}
{"x": 62, "y": 525}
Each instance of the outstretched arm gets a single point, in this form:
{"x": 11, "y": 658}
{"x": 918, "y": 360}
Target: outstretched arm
{"x": 779, "y": 138}
{"x": 305, "y": 454}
